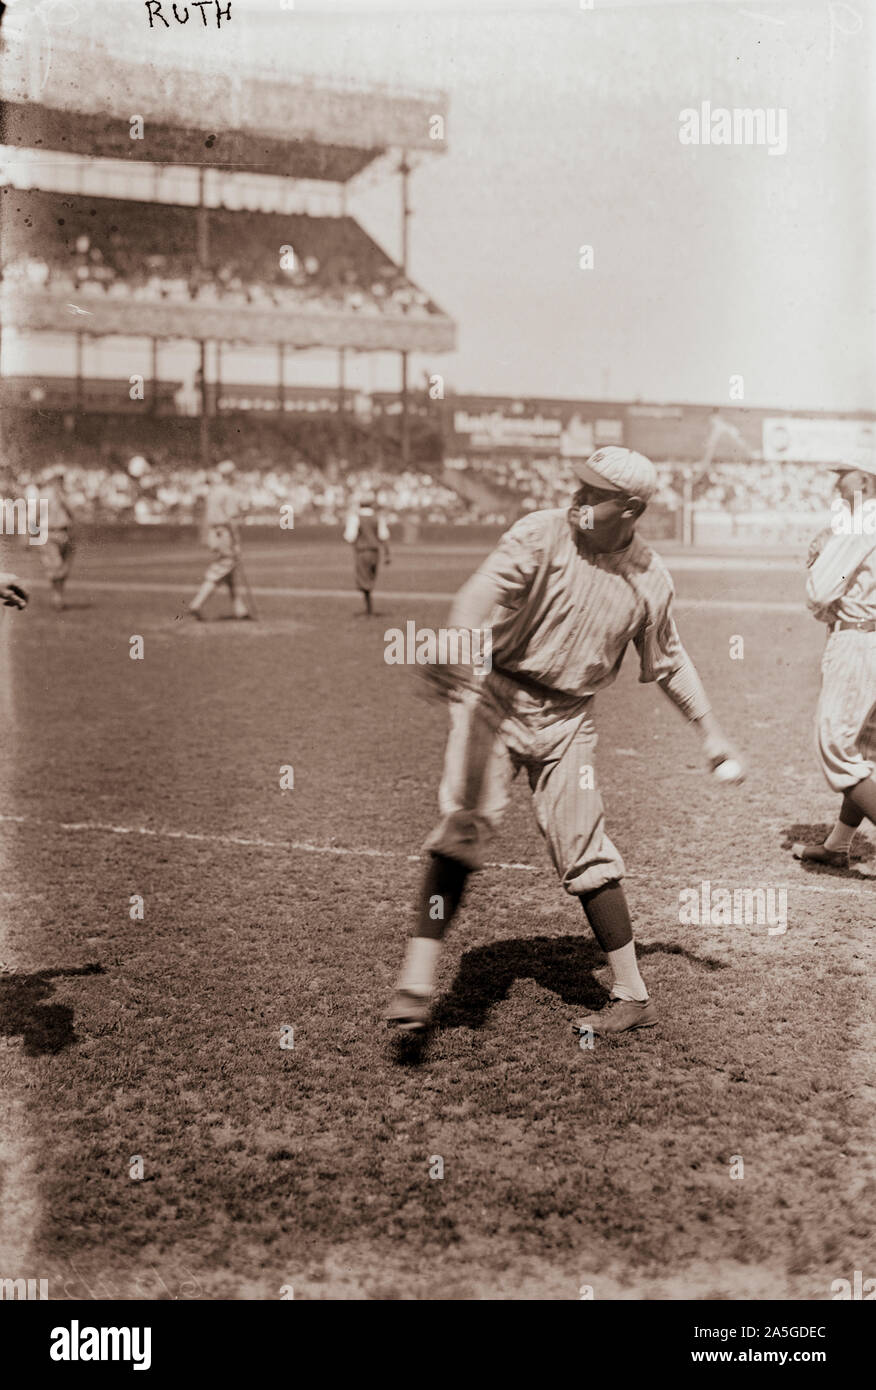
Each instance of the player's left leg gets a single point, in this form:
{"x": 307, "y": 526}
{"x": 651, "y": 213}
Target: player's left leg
{"x": 568, "y": 807}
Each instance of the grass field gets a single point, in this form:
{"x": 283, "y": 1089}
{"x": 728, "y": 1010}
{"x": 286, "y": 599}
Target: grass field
{"x": 267, "y": 1167}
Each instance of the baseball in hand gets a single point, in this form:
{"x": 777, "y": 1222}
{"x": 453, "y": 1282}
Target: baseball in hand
{"x": 729, "y": 771}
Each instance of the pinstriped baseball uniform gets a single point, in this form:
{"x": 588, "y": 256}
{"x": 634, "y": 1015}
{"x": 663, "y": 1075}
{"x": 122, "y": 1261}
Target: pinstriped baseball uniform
{"x": 841, "y": 588}
{"x": 566, "y": 617}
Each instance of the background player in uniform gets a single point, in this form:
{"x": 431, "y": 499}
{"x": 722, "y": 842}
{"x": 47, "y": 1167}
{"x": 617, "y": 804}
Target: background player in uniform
{"x": 368, "y": 534}
{"x": 57, "y": 552}
{"x": 562, "y": 596}
{"x": 224, "y": 509}
{"x": 841, "y": 589}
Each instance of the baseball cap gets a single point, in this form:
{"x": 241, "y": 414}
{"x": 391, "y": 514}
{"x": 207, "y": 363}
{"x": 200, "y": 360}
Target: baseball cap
{"x": 226, "y": 467}
{"x": 865, "y": 462}
{"x": 619, "y": 470}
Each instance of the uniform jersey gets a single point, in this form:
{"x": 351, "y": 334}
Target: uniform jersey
{"x": 223, "y": 506}
{"x": 366, "y": 531}
{"x": 567, "y": 614}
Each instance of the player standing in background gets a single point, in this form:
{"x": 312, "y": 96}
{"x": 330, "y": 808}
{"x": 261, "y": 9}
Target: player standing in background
{"x": 368, "y": 534}
{"x": 562, "y": 596}
{"x": 224, "y": 508}
{"x": 57, "y": 552}
{"x": 841, "y": 590}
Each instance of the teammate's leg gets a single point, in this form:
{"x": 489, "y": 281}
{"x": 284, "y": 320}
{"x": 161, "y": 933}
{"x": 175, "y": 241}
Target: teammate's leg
{"x": 837, "y": 846}
{"x": 863, "y": 798}
{"x": 845, "y": 727}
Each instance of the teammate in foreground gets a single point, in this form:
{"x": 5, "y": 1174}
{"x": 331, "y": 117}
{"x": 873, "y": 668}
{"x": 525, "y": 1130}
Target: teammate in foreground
{"x": 57, "y": 552}
{"x": 368, "y": 534}
{"x": 223, "y": 512}
{"x": 562, "y": 595}
{"x": 841, "y": 590}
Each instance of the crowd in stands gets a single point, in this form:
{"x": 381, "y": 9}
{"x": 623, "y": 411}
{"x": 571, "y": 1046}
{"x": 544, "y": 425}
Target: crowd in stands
{"x": 81, "y": 246}
{"x": 738, "y": 487}
{"x": 176, "y": 495}
{"x": 166, "y": 492}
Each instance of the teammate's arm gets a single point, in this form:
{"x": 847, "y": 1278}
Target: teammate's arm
{"x": 833, "y": 571}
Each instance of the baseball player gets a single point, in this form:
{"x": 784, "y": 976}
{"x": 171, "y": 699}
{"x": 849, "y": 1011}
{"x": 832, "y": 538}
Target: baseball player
{"x": 224, "y": 509}
{"x": 841, "y": 591}
{"x": 562, "y": 596}
{"x": 368, "y": 534}
{"x": 57, "y": 552}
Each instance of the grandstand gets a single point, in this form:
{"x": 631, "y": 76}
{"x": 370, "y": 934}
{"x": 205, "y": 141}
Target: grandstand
{"x": 179, "y": 254}
{"x": 202, "y": 269}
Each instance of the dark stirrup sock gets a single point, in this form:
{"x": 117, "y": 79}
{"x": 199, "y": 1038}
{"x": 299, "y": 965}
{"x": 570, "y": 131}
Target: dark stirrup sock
{"x": 440, "y": 895}
{"x": 850, "y": 814}
{"x": 609, "y": 917}
{"x": 863, "y": 798}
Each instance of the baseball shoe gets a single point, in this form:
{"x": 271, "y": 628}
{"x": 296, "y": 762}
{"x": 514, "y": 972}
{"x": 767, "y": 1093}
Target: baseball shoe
{"x": 820, "y": 854}
{"x": 196, "y": 614}
{"x": 409, "y": 1013}
{"x": 618, "y": 1016}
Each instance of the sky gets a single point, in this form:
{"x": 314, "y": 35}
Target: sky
{"x": 709, "y": 262}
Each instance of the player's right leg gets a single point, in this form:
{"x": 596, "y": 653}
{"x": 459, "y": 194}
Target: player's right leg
{"x": 472, "y": 798}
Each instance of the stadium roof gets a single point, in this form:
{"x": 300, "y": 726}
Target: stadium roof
{"x": 291, "y": 126}
{"x": 40, "y": 127}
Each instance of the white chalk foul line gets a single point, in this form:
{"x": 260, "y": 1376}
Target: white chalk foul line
{"x": 245, "y": 842}
{"x": 356, "y": 852}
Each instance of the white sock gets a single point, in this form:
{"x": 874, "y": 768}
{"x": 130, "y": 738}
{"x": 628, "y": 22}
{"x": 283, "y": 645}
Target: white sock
{"x": 841, "y": 836}
{"x": 627, "y": 983}
{"x": 419, "y": 965}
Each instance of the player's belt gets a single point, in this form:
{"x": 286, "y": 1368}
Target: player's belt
{"x": 869, "y": 625}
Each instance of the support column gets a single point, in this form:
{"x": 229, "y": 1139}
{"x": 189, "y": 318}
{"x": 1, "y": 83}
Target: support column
{"x": 204, "y": 421}
{"x": 405, "y": 170}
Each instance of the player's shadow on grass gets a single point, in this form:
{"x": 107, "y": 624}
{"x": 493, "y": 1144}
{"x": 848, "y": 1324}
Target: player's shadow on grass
{"x": 863, "y": 860}
{"x": 24, "y": 1014}
{"x": 563, "y": 965}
